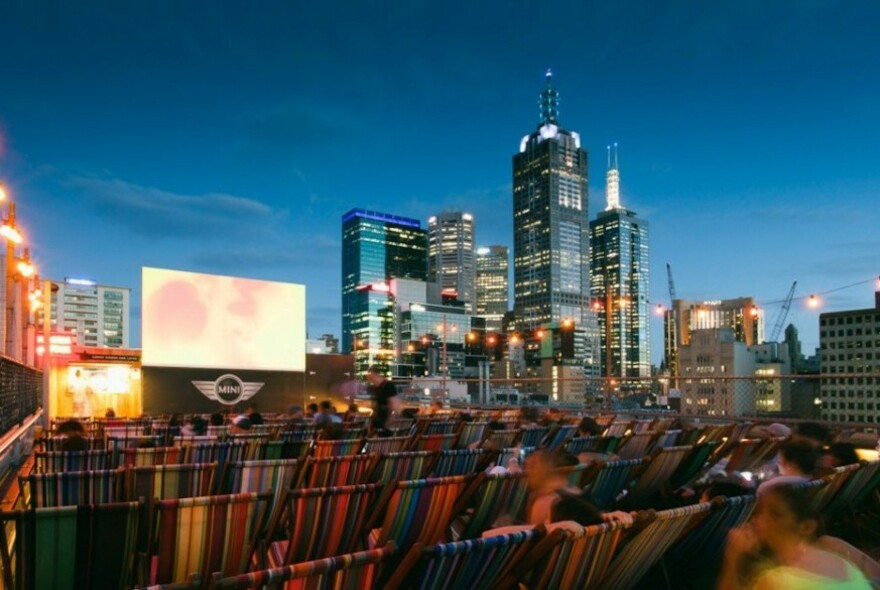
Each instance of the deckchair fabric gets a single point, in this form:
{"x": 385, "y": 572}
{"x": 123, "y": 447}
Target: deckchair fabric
{"x": 402, "y": 466}
{"x": 586, "y": 444}
{"x": 470, "y": 433}
{"x": 704, "y": 544}
{"x": 502, "y": 439}
{"x": 860, "y": 484}
{"x": 323, "y": 522}
{"x": 618, "y": 428}
{"x": 336, "y": 448}
{"x": 165, "y": 482}
{"x": 458, "y": 462}
{"x": 834, "y": 482}
{"x": 475, "y": 564}
{"x": 636, "y": 446}
{"x": 353, "y": 571}
{"x": 434, "y": 442}
{"x": 668, "y": 438}
{"x": 58, "y": 461}
{"x": 182, "y": 441}
{"x": 489, "y": 497}
{"x": 298, "y": 432}
{"x": 513, "y": 453}
{"x": 532, "y": 436}
{"x": 441, "y": 427}
{"x": 559, "y": 436}
{"x": 205, "y": 535}
{"x": 258, "y": 476}
{"x": 154, "y": 456}
{"x": 56, "y": 443}
{"x": 71, "y": 547}
{"x": 384, "y": 445}
{"x": 655, "y": 476}
{"x": 609, "y": 479}
{"x": 342, "y": 470}
{"x": 71, "y": 488}
{"x": 692, "y": 465}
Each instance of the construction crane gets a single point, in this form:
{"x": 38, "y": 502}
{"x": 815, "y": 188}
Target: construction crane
{"x": 672, "y": 296}
{"x": 783, "y": 314}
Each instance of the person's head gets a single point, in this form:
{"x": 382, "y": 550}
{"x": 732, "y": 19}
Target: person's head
{"x": 240, "y": 425}
{"x": 797, "y": 457}
{"x": 216, "y": 419}
{"x": 332, "y": 431}
{"x": 110, "y": 413}
{"x": 589, "y": 427}
{"x": 779, "y": 430}
{"x": 312, "y": 409}
{"x": 813, "y": 432}
{"x": 199, "y": 426}
{"x": 71, "y": 427}
{"x": 529, "y": 414}
{"x": 495, "y": 425}
{"x": 256, "y": 418}
{"x": 783, "y": 516}
{"x": 838, "y": 455}
{"x": 376, "y": 375}
{"x": 326, "y": 407}
{"x": 353, "y": 409}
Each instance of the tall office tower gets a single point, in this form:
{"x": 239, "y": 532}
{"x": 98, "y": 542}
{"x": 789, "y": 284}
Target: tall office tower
{"x": 376, "y": 247}
{"x": 100, "y": 315}
{"x": 741, "y": 315}
{"x": 620, "y": 283}
{"x": 451, "y": 255}
{"x": 551, "y": 240}
{"x": 492, "y": 286}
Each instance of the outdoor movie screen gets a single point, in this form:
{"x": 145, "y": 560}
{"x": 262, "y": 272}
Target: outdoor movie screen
{"x": 217, "y": 322}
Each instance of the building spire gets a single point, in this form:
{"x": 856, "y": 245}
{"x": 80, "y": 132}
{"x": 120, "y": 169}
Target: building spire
{"x": 612, "y": 180}
{"x": 549, "y": 102}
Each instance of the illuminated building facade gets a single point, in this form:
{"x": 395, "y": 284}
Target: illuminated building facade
{"x": 711, "y": 362}
{"x": 100, "y": 315}
{"x": 376, "y": 247}
{"x": 451, "y": 255}
{"x": 620, "y": 282}
{"x": 492, "y": 285}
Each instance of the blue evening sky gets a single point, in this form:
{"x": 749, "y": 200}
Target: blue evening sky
{"x": 229, "y": 137}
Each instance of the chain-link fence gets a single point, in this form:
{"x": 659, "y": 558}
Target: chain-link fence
{"x": 21, "y": 393}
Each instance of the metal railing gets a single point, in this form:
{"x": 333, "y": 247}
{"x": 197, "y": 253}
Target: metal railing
{"x": 21, "y": 393}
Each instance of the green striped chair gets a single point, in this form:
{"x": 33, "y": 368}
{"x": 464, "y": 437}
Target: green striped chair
{"x": 206, "y": 535}
{"x": 476, "y": 564}
{"x": 654, "y": 477}
{"x": 71, "y": 488}
{"x": 385, "y": 445}
{"x": 459, "y": 462}
{"x": 154, "y": 456}
{"x": 345, "y": 470}
{"x": 487, "y": 498}
{"x": 693, "y": 465}
{"x": 166, "y": 482}
{"x": 570, "y": 556}
{"x": 636, "y": 446}
{"x": 353, "y": 571}
{"x": 434, "y": 442}
{"x": 417, "y": 511}
{"x": 323, "y": 522}
{"x": 647, "y": 545}
{"x": 557, "y": 437}
{"x": 834, "y": 482}
{"x": 70, "y": 547}
{"x": 58, "y": 461}
{"x": 858, "y": 486}
{"x": 402, "y": 466}
{"x": 470, "y": 433}
{"x": 609, "y": 478}
{"x": 532, "y": 436}
{"x": 258, "y": 476}
{"x": 337, "y": 448}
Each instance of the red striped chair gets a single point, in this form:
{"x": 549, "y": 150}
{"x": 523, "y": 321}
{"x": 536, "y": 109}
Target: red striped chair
{"x": 166, "y": 482}
{"x": 477, "y": 564}
{"x": 337, "y": 448}
{"x": 76, "y": 547}
{"x": 440, "y": 427}
{"x": 469, "y": 433}
{"x": 71, "y": 488}
{"x": 259, "y": 476}
{"x": 58, "y": 461}
{"x": 459, "y": 462}
{"x": 206, "y": 535}
{"x": 346, "y": 470}
{"x": 417, "y": 511}
{"x": 488, "y": 497}
{"x": 154, "y": 456}
{"x": 353, "y": 571}
{"x": 434, "y": 442}
{"x": 402, "y": 466}
{"x": 385, "y": 445}
{"x": 323, "y": 522}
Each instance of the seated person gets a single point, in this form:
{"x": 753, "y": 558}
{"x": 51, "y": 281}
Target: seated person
{"x": 837, "y": 455}
{"x": 589, "y": 427}
{"x": 797, "y": 463}
{"x": 74, "y": 433}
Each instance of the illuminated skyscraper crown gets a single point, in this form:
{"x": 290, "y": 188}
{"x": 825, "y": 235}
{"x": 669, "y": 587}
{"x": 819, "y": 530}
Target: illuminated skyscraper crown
{"x": 549, "y": 102}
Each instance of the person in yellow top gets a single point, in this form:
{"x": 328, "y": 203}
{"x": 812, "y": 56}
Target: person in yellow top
{"x": 778, "y": 549}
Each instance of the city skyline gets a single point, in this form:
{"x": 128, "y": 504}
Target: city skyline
{"x": 209, "y": 140}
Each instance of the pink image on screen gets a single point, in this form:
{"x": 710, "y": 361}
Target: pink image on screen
{"x": 178, "y": 312}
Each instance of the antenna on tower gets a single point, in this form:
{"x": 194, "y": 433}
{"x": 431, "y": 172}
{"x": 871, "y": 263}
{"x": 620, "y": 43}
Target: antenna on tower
{"x": 609, "y": 157}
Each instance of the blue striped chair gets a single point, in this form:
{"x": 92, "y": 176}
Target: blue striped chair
{"x": 470, "y": 433}
{"x": 71, "y": 488}
{"x": 345, "y": 470}
{"x": 58, "y": 461}
{"x": 532, "y": 436}
{"x": 459, "y": 462}
{"x": 260, "y": 476}
{"x": 609, "y": 478}
{"x": 557, "y": 437}
{"x": 402, "y": 466}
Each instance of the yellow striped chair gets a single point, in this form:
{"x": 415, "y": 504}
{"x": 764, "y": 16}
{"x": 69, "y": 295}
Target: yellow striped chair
{"x": 165, "y": 482}
{"x": 154, "y": 456}
{"x": 70, "y": 547}
{"x": 385, "y": 445}
{"x": 253, "y": 443}
{"x": 322, "y": 522}
{"x": 206, "y": 535}
{"x": 259, "y": 476}
{"x": 353, "y": 571}
{"x": 71, "y": 488}
{"x": 402, "y": 466}
{"x": 58, "y": 461}
{"x": 434, "y": 442}
{"x": 459, "y": 462}
{"x": 337, "y": 448}
{"x": 342, "y": 470}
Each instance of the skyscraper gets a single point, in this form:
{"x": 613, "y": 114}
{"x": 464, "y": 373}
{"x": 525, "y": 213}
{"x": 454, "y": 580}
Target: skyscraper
{"x": 376, "y": 247}
{"x": 451, "y": 255}
{"x": 100, "y": 315}
{"x": 551, "y": 238}
{"x": 620, "y": 283}
{"x": 492, "y": 285}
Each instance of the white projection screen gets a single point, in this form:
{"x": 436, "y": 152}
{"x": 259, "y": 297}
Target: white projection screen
{"x": 207, "y": 321}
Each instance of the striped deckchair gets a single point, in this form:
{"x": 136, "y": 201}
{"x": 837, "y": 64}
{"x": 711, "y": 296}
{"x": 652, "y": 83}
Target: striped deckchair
{"x": 692, "y": 465}
{"x": 644, "y": 426}
{"x": 654, "y": 477}
{"x": 258, "y": 476}
{"x": 58, "y": 461}
{"x": 417, "y": 511}
{"x": 165, "y": 482}
{"x": 353, "y": 571}
{"x": 345, "y": 470}
{"x": 619, "y": 428}
{"x": 834, "y": 482}
{"x": 189, "y": 441}
{"x": 390, "y": 444}
{"x": 749, "y": 452}
{"x": 71, "y": 488}
{"x": 292, "y": 449}
{"x": 222, "y": 453}
{"x": 295, "y": 432}
{"x": 532, "y": 436}
{"x": 459, "y": 462}
{"x": 645, "y": 548}
{"x": 56, "y": 443}
{"x": 205, "y": 535}
{"x": 608, "y": 480}
{"x": 70, "y": 547}
{"x": 253, "y": 444}
{"x": 704, "y": 544}
{"x": 400, "y": 426}
{"x": 440, "y": 427}
{"x": 476, "y": 564}
{"x": 155, "y": 456}
{"x": 470, "y": 432}
{"x": 434, "y": 442}
{"x": 402, "y": 466}
{"x": 668, "y": 438}
{"x": 858, "y": 486}
{"x": 692, "y": 436}
{"x": 488, "y": 497}
{"x": 502, "y": 439}
{"x": 570, "y": 556}
{"x": 636, "y": 446}
{"x": 134, "y": 431}
{"x": 585, "y": 444}
{"x": 354, "y": 431}
{"x": 730, "y": 435}
{"x": 336, "y": 448}
{"x": 559, "y": 436}
{"x": 507, "y": 454}
{"x": 323, "y": 522}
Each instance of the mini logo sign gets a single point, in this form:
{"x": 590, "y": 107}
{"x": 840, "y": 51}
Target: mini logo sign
{"x": 228, "y": 389}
